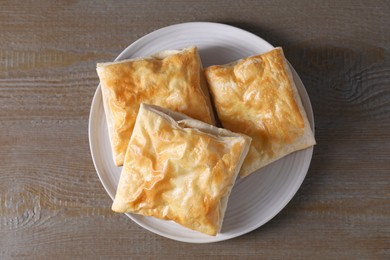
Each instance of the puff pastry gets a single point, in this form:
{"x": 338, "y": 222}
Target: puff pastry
{"x": 172, "y": 79}
{"x": 257, "y": 96}
{"x": 181, "y": 169}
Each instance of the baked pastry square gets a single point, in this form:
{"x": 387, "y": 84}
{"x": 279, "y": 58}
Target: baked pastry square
{"x": 181, "y": 169}
{"x": 257, "y": 96}
{"x": 172, "y": 79}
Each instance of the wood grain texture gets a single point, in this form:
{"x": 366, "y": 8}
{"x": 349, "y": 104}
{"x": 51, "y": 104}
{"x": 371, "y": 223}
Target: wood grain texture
{"x": 52, "y": 204}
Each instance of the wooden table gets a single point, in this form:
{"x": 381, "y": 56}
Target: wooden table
{"x": 52, "y": 204}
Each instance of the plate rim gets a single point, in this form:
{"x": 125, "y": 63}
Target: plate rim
{"x": 221, "y": 237}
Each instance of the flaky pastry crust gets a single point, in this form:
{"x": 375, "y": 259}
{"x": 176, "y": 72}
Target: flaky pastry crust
{"x": 171, "y": 79}
{"x": 181, "y": 169}
{"x": 257, "y": 96}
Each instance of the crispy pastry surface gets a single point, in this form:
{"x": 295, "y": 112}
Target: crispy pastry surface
{"x": 258, "y": 97}
{"x": 181, "y": 169}
{"x": 171, "y": 79}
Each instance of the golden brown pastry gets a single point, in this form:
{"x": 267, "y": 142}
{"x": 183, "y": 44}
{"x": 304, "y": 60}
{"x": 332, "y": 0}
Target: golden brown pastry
{"x": 181, "y": 169}
{"x": 257, "y": 96}
{"x": 171, "y": 79}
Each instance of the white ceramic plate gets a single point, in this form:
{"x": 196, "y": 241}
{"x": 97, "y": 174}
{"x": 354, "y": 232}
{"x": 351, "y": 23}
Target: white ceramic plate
{"x": 254, "y": 200}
